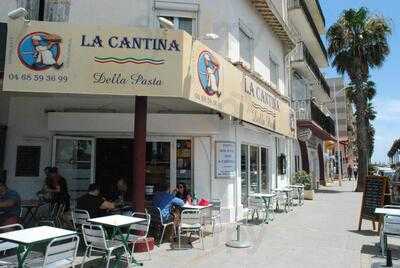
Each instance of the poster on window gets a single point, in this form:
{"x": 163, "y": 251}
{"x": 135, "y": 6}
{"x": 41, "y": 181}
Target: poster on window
{"x": 225, "y": 165}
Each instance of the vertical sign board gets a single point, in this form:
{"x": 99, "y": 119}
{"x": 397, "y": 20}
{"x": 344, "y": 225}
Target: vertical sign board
{"x": 225, "y": 166}
{"x": 373, "y": 197}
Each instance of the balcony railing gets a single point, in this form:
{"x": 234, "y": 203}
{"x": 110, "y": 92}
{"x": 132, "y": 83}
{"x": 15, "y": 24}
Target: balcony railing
{"x": 294, "y": 4}
{"x": 309, "y": 111}
{"x": 302, "y": 54}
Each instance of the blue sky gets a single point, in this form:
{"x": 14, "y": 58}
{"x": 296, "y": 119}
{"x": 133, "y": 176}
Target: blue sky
{"x": 387, "y": 78}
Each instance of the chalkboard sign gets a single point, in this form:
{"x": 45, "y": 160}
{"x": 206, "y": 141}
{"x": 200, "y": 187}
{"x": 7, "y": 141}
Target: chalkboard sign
{"x": 28, "y": 161}
{"x": 373, "y": 197}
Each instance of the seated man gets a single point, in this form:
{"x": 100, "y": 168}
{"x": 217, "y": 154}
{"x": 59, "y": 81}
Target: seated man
{"x": 164, "y": 201}
{"x": 10, "y": 204}
{"x": 94, "y": 203}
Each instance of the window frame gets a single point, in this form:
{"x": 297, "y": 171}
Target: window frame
{"x": 176, "y": 14}
{"x": 273, "y": 61}
{"x": 249, "y": 33}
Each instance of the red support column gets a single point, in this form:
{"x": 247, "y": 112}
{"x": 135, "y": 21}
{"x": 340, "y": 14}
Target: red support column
{"x": 139, "y": 153}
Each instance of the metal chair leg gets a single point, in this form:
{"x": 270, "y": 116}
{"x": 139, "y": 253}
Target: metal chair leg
{"x": 162, "y": 236}
{"x": 148, "y": 249}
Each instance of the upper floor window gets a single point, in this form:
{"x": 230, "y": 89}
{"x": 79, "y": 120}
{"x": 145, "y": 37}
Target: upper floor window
{"x": 180, "y": 23}
{"x": 47, "y": 10}
{"x": 183, "y": 16}
{"x": 245, "y": 45}
{"x": 274, "y": 72}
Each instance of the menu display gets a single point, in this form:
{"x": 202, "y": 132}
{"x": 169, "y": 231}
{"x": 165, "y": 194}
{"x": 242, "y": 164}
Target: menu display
{"x": 225, "y": 160}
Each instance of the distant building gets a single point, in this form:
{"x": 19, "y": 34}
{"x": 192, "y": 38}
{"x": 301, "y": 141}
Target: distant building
{"x": 345, "y": 120}
{"x": 394, "y": 153}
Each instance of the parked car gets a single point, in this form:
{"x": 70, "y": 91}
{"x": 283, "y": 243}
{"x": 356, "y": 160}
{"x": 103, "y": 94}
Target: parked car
{"x": 385, "y": 171}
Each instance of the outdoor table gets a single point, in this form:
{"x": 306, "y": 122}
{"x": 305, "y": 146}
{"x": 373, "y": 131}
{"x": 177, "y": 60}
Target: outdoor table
{"x": 26, "y": 238}
{"x": 202, "y": 209}
{"x": 299, "y": 188}
{"x": 117, "y": 222}
{"x": 31, "y": 207}
{"x": 267, "y": 200}
{"x": 388, "y": 211}
{"x": 286, "y": 191}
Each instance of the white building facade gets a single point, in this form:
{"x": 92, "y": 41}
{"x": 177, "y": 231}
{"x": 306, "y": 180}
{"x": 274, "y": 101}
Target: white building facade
{"x": 89, "y": 137}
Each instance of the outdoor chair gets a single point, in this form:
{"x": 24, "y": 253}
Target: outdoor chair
{"x": 96, "y": 241}
{"x": 54, "y": 217}
{"x": 139, "y": 231}
{"x": 215, "y": 213}
{"x": 391, "y": 228}
{"x": 256, "y": 205}
{"x": 10, "y": 260}
{"x": 191, "y": 220}
{"x": 79, "y": 217}
{"x": 61, "y": 252}
{"x": 157, "y": 221}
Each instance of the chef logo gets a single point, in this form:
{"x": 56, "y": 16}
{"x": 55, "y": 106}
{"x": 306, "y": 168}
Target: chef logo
{"x": 40, "y": 51}
{"x": 208, "y": 69}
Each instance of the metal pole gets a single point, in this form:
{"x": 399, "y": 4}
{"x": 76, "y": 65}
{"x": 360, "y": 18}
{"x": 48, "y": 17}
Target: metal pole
{"x": 337, "y": 137}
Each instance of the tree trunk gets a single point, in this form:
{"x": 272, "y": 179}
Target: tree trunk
{"x": 362, "y": 138}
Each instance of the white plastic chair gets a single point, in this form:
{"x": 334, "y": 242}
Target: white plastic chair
{"x": 61, "y": 252}
{"x": 139, "y": 231}
{"x": 391, "y": 228}
{"x": 95, "y": 240}
{"x": 79, "y": 217}
{"x": 191, "y": 220}
{"x": 216, "y": 213}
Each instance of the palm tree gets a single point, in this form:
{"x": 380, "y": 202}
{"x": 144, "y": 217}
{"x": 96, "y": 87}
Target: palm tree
{"x": 357, "y": 42}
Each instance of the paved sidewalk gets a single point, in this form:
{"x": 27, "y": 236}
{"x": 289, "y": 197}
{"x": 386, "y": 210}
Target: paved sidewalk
{"x": 322, "y": 233}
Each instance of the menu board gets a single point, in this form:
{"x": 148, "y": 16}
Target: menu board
{"x": 225, "y": 166}
{"x": 373, "y": 197}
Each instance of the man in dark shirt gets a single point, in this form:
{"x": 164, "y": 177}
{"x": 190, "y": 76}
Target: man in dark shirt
{"x": 94, "y": 203}
{"x": 10, "y": 203}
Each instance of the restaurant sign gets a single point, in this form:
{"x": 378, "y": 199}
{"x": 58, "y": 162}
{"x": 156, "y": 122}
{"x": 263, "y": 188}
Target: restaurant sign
{"x": 93, "y": 60}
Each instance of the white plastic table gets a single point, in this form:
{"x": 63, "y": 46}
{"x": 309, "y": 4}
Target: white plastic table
{"x": 388, "y": 211}
{"x": 187, "y": 206}
{"x": 117, "y": 222}
{"x": 26, "y": 238}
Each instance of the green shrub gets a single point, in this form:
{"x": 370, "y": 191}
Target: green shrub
{"x": 302, "y": 177}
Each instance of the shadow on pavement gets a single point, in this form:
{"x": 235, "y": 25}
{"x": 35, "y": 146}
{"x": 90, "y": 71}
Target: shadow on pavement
{"x": 364, "y": 232}
{"x": 328, "y": 191}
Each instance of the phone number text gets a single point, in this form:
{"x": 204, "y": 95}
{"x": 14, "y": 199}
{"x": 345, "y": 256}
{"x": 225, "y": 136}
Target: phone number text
{"x": 39, "y": 77}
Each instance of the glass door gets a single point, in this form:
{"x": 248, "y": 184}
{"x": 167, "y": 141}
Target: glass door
{"x": 254, "y": 170}
{"x": 264, "y": 170}
{"x": 74, "y": 158}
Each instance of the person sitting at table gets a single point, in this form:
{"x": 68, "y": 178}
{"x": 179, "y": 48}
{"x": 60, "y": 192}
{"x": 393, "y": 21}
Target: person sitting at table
{"x": 57, "y": 185}
{"x": 164, "y": 200}
{"x": 120, "y": 191}
{"x": 182, "y": 193}
{"x": 92, "y": 202}
{"x": 10, "y": 203}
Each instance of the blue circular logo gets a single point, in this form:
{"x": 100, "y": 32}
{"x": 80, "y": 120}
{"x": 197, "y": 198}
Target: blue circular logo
{"x": 40, "y": 51}
{"x": 208, "y": 69}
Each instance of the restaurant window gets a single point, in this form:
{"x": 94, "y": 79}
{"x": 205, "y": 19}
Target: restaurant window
{"x": 184, "y": 163}
{"x": 264, "y": 170}
{"x": 274, "y": 72}
{"x": 47, "y": 10}
{"x": 244, "y": 171}
{"x": 245, "y": 45}
{"x": 254, "y": 171}
{"x": 158, "y": 159}
{"x": 28, "y": 161}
